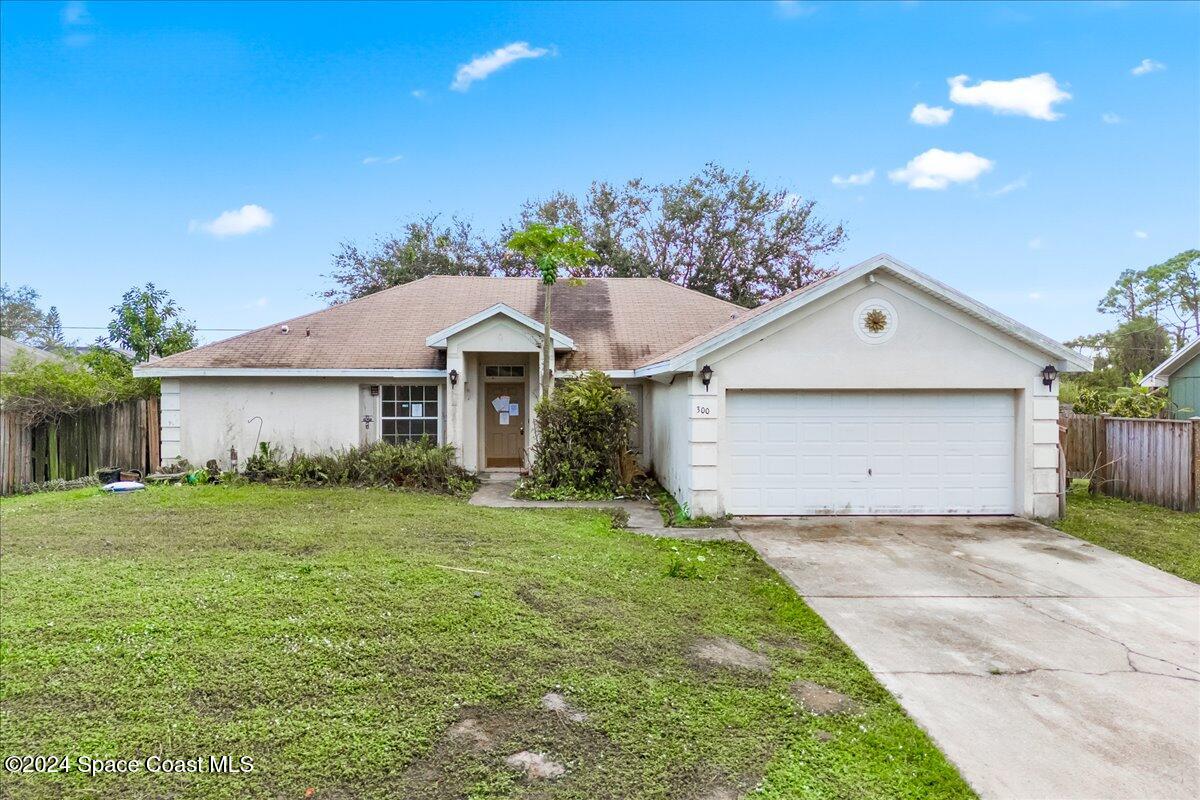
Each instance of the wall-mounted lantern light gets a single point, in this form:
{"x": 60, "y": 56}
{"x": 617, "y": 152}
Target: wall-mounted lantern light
{"x": 454, "y": 377}
{"x": 374, "y": 391}
{"x": 706, "y": 375}
{"x": 1049, "y": 373}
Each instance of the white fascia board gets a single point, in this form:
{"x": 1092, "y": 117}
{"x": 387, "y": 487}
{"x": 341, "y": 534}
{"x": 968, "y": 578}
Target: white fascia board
{"x": 147, "y": 371}
{"x": 438, "y": 340}
{"x": 1161, "y": 375}
{"x": 1068, "y": 360}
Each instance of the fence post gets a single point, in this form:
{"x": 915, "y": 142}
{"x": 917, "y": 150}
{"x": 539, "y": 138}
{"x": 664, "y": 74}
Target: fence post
{"x": 1100, "y": 448}
{"x": 1195, "y": 503}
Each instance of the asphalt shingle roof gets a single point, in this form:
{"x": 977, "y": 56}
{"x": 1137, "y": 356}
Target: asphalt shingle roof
{"x": 616, "y": 323}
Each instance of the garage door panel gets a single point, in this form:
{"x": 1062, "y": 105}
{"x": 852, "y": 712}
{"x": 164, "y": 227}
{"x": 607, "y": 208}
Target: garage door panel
{"x": 871, "y": 453}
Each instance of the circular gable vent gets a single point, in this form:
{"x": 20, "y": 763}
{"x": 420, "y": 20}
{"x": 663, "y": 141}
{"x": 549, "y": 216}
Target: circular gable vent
{"x": 875, "y": 321}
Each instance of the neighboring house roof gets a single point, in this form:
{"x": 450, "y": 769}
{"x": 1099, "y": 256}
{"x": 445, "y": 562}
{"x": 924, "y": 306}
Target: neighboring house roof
{"x": 613, "y": 324}
{"x": 1161, "y": 375}
{"x": 10, "y": 347}
{"x": 684, "y": 355}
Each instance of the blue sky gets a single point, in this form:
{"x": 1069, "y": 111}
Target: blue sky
{"x": 127, "y": 130}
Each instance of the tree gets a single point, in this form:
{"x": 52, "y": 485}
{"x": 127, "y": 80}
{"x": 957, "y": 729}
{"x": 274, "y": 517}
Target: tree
{"x": 1168, "y": 293}
{"x": 149, "y": 323}
{"x": 723, "y": 233}
{"x": 551, "y": 249}
{"x": 51, "y": 335}
{"x": 20, "y": 317}
{"x": 422, "y": 248}
{"x": 1132, "y": 348}
{"x": 1174, "y": 285}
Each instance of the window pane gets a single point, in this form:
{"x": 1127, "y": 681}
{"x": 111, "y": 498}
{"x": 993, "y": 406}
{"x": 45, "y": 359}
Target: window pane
{"x": 490, "y": 371}
{"x": 389, "y": 427}
{"x": 431, "y": 409}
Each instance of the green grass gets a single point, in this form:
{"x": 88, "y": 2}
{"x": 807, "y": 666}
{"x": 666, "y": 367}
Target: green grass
{"x": 1169, "y": 540}
{"x": 333, "y": 636}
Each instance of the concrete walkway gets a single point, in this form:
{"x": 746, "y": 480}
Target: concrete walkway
{"x": 1043, "y": 666}
{"x": 495, "y": 491}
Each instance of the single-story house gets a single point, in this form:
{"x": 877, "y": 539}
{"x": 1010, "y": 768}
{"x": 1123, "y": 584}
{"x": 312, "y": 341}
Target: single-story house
{"x": 876, "y": 391}
{"x": 1180, "y": 374}
{"x": 11, "y": 350}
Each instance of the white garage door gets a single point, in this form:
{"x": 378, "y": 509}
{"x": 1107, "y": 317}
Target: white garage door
{"x": 870, "y": 452}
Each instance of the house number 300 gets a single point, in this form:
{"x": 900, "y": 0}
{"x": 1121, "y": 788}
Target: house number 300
{"x": 703, "y": 410}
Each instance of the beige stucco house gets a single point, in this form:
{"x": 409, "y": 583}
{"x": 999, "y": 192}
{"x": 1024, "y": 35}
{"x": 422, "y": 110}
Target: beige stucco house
{"x": 876, "y": 391}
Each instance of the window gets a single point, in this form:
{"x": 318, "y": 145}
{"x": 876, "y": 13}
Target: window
{"x": 503, "y": 371}
{"x": 409, "y": 412}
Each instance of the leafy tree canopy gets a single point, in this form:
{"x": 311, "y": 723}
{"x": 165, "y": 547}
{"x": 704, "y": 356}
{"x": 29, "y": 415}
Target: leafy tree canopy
{"x": 47, "y": 390}
{"x": 149, "y": 323}
{"x": 723, "y": 233}
{"x": 23, "y": 320}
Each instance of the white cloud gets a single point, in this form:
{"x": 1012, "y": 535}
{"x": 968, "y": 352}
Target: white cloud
{"x": 259, "y": 303}
{"x": 930, "y": 115}
{"x": 854, "y": 179}
{"x": 419, "y": 94}
{"x": 246, "y": 219}
{"x": 1110, "y": 118}
{"x": 937, "y": 169}
{"x": 794, "y": 8}
{"x": 1012, "y": 186}
{"x": 76, "y": 13}
{"x": 1034, "y": 96}
{"x": 482, "y": 66}
{"x": 382, "y": 159}
{"x": 75, "y": 20}
{"x": 1147, "y": 66}
{"x": 1035, "y": 244}
{"x": 1035, "y": 296}
{"x": 1141, "y": 235}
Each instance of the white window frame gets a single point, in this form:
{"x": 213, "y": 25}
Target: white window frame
{"x": 438, "y": 437}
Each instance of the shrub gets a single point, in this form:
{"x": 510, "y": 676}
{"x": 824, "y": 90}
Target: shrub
{"x": 583, "y": 434}
{"x": 412, "y": 465}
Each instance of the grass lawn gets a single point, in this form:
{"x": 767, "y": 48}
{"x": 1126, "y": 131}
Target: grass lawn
{"x": 1169, "y": 540}
{"x": 339, "y": 636}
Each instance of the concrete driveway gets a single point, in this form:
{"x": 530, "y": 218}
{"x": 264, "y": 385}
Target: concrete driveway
{"x": 1043, "y": 666}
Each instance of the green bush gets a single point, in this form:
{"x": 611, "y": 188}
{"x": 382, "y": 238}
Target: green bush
{"x": 583, "y": 433}
{"x": 1127, "y": 401}
{"x": 412, "y": 465}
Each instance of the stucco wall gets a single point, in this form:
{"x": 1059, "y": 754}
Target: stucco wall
{"x": 669, "y": 437}
{"x": 934, "y": 347}
{"x": 310, "y": 414}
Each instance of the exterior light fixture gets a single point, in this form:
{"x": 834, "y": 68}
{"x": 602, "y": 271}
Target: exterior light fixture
{"x": 706, "y": 375}
{"x": 1049, "y": 373}
{"x": 454, "y": 377}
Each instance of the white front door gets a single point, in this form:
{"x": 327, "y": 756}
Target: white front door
{"x": 870, "y": 452}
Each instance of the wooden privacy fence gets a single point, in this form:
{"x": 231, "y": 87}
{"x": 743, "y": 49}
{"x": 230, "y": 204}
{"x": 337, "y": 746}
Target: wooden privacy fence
{"x": 124, "y": 435}
{"x": 1152, "y": 460}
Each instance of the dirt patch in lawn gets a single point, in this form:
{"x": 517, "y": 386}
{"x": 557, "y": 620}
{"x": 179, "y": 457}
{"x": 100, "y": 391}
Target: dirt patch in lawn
{"x": 821, "y": 700}
{"x": 728, "y": 654}
{"x": 537, "y": 746}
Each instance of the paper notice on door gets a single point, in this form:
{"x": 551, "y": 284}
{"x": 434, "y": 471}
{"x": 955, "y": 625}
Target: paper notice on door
{"x": 500, "y": 403}
{"x": 514, "y": 410}
{"x": 503, "y": 417}
{"x": 418, "y": 410}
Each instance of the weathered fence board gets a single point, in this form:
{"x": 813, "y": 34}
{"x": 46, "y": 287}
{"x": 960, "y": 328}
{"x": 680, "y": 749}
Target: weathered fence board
{"x": 121, "y": 435}
{"x": 1152, "y": 460}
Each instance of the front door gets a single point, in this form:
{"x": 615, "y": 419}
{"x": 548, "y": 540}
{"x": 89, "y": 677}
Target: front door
{"x": 504, "y": 424}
